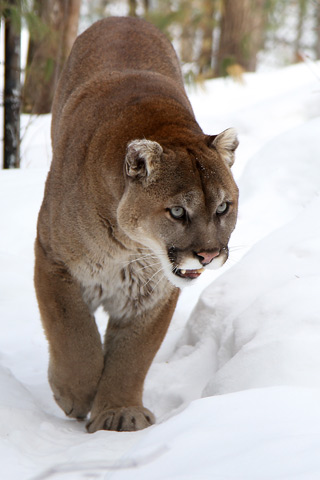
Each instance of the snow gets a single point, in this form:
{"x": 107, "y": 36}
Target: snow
{"x": 236, "y": 384}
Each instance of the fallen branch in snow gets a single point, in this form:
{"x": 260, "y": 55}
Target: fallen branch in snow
{"x": 311, "y": 64}
{"x": 102, "y": 466}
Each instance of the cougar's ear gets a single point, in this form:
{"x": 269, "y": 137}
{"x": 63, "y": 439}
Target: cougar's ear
{"x": 225, "y": 143}
{"x": 141, "y": 157}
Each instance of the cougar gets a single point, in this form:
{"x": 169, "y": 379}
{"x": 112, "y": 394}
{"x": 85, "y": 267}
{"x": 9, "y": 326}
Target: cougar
{"x": 138, "y": 203}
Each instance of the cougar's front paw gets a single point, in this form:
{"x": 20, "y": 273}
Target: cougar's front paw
{"x": 75, "y": 400}
{"x": 123, "y": 419}
{"x": 72, "y": 407}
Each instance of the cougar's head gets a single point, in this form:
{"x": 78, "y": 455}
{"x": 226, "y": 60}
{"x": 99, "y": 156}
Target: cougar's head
{"x": 181, "y": 202}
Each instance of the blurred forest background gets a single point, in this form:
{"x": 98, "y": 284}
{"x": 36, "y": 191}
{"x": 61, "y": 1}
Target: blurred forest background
{"x": 213, "y": 38}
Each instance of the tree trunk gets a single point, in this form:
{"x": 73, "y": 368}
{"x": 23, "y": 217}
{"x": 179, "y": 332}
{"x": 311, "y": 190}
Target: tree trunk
{"x": 146, "y": 5}
{"x": 241, "y": 34}
{"x": 187, "y": 43}
{"x": 188, "y": 32}
{"x": 132, "y": 8}
{"x": 48, "y": 52}
{"x": 12, "y": 89}
{"x": 299, "y": 30}
{"x": 207, "y": 26}
{"x": 317, "y": 45}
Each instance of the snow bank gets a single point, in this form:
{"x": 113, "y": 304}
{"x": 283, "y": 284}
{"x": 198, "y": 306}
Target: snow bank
{"x": 280, "y": 181}
{"x": 254, "y": 435}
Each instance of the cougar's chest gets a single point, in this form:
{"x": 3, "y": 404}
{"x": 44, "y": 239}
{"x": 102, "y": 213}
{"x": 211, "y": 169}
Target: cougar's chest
{"x": 125, "y": 287}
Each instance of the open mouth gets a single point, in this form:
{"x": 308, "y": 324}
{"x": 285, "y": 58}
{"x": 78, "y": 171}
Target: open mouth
{"x": 191, "y": 274}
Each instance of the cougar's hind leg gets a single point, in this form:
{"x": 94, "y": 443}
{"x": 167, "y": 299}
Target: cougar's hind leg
{"x": 76, "y": 354}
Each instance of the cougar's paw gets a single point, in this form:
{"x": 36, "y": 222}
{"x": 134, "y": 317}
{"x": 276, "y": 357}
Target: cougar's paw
{"x": 75, "y": 403}
{"x": 73, "y": 394}
{"x": 73, "y": 408}
{"x": 123, "y": 419}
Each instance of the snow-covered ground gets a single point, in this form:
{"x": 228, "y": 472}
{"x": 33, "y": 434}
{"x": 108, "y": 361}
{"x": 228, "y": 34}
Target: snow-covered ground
{"x": 236, "y": 385}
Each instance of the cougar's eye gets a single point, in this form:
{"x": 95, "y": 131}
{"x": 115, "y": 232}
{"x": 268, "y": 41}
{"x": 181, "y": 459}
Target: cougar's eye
{"x": 223, "y": 208}
{"x": 177, "y": 212}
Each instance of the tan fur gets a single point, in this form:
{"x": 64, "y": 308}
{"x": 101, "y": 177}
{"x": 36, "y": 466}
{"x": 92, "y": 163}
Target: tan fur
{"x": 127, "y": 155}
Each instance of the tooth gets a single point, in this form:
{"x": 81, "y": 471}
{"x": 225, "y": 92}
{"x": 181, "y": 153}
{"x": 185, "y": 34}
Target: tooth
{"x": 201, "y": 270}
{"x": 183, "y": 272}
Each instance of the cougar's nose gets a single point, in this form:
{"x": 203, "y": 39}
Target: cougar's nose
{"x": 206, "y": 257}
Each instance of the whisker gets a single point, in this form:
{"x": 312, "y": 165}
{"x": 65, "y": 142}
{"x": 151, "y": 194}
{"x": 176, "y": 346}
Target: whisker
{"x": 232, "y": 261}
{"x": 236, "y": 253}
{"x": 149, "y": 265}
{"x": 158, "y": 282}
{"x": 157, "y": 254}
{"x": 237, "y": 247}
{"x": 174, "y": 268}
{"x": 144, "y": 257}
{"x": 143, "y": 253}
{"x": 160, "y": 252}
{"x": 148, "y": 250}
{"x": 158, "y": 271}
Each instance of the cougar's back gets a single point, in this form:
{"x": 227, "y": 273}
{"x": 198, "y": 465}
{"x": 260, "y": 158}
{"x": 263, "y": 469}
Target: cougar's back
{"x": 116, "y": 44}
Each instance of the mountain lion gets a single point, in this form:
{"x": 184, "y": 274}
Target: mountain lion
{"x": 138, "y": 202}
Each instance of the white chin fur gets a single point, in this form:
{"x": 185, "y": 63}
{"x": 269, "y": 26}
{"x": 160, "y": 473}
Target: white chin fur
{"x": 190, "y": 264}
{"x": 174, "y": 279}
{"x": 218, "y": 262}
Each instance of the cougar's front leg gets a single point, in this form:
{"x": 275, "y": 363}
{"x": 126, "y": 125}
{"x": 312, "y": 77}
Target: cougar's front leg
{"x": 130, "y": 349}
{"x": 76, "y": 354}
